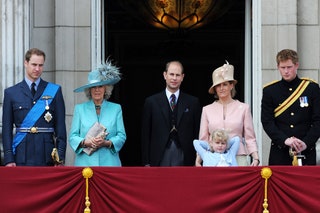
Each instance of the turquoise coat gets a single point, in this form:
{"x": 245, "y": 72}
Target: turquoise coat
{"x": 84, "y": 116}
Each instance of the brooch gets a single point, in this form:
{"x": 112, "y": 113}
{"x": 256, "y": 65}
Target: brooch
{"x": 48, "y": 117}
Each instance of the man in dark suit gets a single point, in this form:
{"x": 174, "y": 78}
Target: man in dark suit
{"x": 168, "y": 131}
{"x": 290, "y": 114}
{"x": 37, "y": 111}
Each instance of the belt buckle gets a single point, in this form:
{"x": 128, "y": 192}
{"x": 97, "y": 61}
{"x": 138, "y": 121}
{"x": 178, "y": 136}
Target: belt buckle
{"x": 33, "y": 130}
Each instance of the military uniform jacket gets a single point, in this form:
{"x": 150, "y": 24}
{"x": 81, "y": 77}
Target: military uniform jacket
{"x": 34, "y": 149}
{"x": 301, "y": 120}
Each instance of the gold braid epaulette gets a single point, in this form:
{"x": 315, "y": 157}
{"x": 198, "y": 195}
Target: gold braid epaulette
{"x": 309, "y": 79}
{"x": 272, "y": 82}
{"x": 303, "y": 78}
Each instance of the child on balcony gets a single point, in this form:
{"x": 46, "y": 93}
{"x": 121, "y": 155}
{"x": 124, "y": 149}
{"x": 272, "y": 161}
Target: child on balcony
{"x": 219, "y": 151}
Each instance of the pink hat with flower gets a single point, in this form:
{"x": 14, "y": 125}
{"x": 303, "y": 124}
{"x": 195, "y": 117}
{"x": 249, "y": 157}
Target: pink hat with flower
{"x": 222, "y": 74}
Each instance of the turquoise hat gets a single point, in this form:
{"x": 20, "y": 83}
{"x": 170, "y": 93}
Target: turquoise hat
{"x": 104, "y": 74}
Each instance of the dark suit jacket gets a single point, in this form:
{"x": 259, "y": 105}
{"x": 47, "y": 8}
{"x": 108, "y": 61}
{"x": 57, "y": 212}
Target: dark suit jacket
{"x": 156, "y": 127}
{"x": 35, "y": 149}
{"x": 297, "y": 121}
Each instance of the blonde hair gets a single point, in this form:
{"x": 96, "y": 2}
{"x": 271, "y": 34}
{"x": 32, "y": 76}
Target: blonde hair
{"x": 220, "y": 135}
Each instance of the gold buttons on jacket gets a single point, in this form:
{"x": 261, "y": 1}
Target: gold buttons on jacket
{"x": 290, "y": 89}
{"x": 292, "y": 113}
{"x": 291, "y": 126}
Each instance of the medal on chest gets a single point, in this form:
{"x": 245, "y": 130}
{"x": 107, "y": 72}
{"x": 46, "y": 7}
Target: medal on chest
{"x": 48, "y": 115}
{"x": 303, "y": 101}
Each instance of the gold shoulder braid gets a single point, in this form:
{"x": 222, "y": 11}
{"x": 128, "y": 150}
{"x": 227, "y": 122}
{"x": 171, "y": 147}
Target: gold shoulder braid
{"x": 309, "y": 79}
{"x": 272, "y": 82}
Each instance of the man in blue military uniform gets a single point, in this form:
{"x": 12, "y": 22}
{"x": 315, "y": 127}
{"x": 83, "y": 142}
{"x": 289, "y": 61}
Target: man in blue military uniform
{"x": 290, "y": 113}
{"x": 37, "y": 111}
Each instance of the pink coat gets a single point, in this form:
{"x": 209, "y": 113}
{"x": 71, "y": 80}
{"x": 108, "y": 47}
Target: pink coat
{"x": 238, "y": 121}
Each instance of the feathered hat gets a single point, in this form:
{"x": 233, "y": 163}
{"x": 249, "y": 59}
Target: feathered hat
{"x": 104, "y": 74}
{"x": 222, "y": 74}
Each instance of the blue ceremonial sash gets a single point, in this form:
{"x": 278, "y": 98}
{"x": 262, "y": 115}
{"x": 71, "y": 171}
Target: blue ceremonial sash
{"x": 34, "y": 114}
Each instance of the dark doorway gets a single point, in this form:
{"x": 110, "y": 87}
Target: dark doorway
{"x": 142, "y": 51}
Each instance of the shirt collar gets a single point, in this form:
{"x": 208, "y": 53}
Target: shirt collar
{"x": 30, "y": 82}
{"x": 168, "y": 93}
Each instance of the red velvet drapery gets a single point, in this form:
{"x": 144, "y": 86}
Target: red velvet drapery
{"x": 158, "y": 190}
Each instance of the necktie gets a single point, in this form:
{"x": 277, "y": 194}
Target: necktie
{"x": 173, "y": 101}
{"x": 33, "y": 90}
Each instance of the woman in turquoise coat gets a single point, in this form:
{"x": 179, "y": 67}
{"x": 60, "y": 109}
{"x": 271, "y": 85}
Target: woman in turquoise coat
{"x": 97, "y": 131}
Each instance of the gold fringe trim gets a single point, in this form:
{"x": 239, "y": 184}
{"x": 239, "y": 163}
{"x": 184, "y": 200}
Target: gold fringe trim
{"x": 266, "y": 174}
{"x": 87, "y": 173}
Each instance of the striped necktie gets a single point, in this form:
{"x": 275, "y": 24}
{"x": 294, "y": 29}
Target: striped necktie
{"x": 173, "y": 101}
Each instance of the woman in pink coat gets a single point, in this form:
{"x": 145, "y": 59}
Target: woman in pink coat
{"x": 229, "y": 114}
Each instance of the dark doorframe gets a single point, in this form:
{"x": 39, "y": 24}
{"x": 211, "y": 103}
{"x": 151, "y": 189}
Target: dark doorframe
{"x": 142, "y": 51}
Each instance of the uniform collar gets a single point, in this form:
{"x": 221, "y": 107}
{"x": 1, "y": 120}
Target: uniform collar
{"x": 30, "y": 82}
{"x": 293, "y": 83}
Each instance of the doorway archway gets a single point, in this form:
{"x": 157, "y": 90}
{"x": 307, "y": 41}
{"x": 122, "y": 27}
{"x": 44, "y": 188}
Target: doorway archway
{"x": 142, "y": 51}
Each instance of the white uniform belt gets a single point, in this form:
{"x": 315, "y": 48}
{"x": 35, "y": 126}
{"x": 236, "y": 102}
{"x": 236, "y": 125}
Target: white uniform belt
{"x": 35, "y": 129}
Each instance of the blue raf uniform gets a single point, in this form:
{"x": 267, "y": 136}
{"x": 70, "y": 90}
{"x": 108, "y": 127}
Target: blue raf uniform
{"x": 300, "y": 120}
{"x": 36, "y": 147}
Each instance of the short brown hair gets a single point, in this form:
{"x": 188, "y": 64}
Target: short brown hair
{"x": 34, "y": 51}
{"x": 287, "y": 54}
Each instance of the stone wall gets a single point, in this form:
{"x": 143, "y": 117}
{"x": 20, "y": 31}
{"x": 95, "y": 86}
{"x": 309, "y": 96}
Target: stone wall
{"x": 66, "y": 31}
